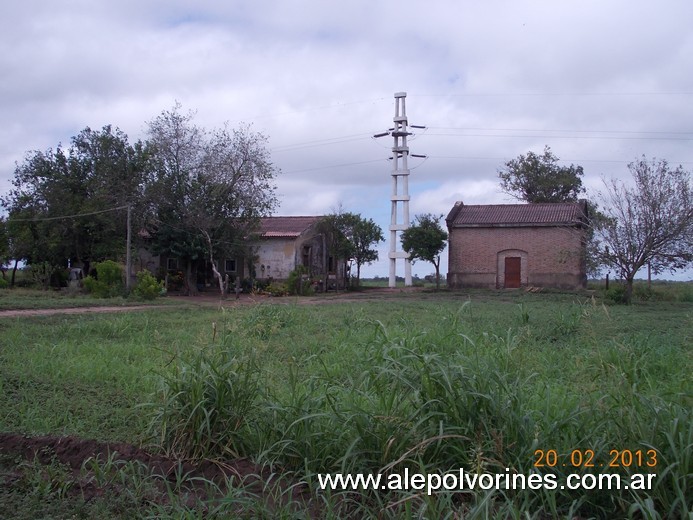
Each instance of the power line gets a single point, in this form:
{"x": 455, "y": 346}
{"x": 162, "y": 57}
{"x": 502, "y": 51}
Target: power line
{"x": 332, "y": 166}
{"x": 605, "y": 137}
{"x": 43, "y": 219}
{"x": 657, "y": 132}
{"x": 559, "y": 94}
{"x": 476, "y": 158}
{"x": 321, "y": 142}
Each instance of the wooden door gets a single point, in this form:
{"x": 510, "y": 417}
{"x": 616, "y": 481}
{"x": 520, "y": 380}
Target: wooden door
{"x": 512, "y": 272}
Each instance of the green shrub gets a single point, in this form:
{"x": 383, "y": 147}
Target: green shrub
{"x": 277, "y": 289}
{"x": 110, "y": 273}
{"x": 42, "y": 273}
{"x": 298, "y": 282}
{"x": 108, "y": 282}
{"x": 4, "y": 284}
{"x": 147, "y": 286}
{"x": 642, "y": 292}
{"x": 616, "y": 293}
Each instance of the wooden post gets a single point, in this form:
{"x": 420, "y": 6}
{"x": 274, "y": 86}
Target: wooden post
{"x": 128, "y": 259}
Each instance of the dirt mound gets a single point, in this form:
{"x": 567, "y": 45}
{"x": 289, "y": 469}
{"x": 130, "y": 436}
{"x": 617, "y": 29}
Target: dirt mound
{"x": 74, "y": 451}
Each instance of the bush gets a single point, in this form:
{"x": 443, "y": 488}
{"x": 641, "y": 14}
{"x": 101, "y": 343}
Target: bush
{"x": 298, "y": 282}
{"x": 147, "y": 287}
{"x": 42, "y": 273}
{"x": 642, "y": 292}
{"x": 4, "y": 284}
{"x": 277, "y": 289}
{"x": 108, "y": 282}
{"x": 616, "y": 293}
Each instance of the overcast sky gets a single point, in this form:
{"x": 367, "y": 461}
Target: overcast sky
{"x": 600, "y": 82}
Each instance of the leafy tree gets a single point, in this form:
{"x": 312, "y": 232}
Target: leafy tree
{"x": 650, "y": 222}
{"x": 335, "y": 231}
{"x": 364, "y": 233}
{"x": 425, "y": 240}
{"x": 61, "y": 207}
{"x": 206, "y": 190}
{"x": 351, "y": 237}
{"x": 539, "y": 178}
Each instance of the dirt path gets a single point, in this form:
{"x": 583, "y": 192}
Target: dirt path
{"x": 76, "y": 310}
{"x": 208, "y": 301}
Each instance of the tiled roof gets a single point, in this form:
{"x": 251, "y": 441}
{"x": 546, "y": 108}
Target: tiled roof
{"x": 499, "y": 215}
{"x": 273, "y": 227}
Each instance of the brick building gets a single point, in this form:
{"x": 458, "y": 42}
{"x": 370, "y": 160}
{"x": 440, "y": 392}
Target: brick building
{"x": 517, "y": 245}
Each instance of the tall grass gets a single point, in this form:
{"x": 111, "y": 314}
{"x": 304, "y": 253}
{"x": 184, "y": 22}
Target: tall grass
{"x": 436, "y": 399}
{"x": 427, "y": 386}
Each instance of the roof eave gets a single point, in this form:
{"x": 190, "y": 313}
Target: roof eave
{"x": 454, "y": 225}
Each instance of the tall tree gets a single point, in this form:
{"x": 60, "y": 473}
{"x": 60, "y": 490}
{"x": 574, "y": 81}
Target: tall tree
{"x": 335, "y": 230}
{"x": 207, "y": 189}
{"x": 364, "y": 235}
{"x": 539, "y": 178}
{"x": 425, "y": 240}
{"x": 648, "y": 222}
{"x": 63, "y": 207}
{"x": 349, "y": 236}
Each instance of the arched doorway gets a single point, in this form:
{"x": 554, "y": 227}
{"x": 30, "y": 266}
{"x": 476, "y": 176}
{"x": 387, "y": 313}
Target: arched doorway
{"x": 511, "y": 269}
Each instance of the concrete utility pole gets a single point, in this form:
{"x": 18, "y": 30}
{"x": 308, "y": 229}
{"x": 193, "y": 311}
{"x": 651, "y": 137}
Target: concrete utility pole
{"x": 400, "y": 189}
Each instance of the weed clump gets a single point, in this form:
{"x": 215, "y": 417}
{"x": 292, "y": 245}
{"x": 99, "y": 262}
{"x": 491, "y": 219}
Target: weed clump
{"x": 148, "y": 287}
{"x": 108, "y": 282}
{"x": 204, "y": 405}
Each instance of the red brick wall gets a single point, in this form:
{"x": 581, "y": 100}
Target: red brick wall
{"x": 554, "y": 256}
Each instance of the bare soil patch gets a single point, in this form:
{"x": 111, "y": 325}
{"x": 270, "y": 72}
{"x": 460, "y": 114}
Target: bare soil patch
{"x": 15, "y": 313}
{"x": 73, "y": 452}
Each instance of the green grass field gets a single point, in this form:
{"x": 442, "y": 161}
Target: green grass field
{"x": 425, "y": 382}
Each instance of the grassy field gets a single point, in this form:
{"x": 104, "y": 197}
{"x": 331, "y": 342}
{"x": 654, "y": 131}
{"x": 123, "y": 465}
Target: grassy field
{"x": 418, "y": 382}
{"x": 18, "y": 299}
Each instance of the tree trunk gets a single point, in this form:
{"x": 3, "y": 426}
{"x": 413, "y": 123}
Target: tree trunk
{"x": 218, "y": 278}
{"x": 190, "y": 284}
{"x": 437, "y": 265}
{"x": 217, "y": 274}
{"x": 628, "y": 295}
{"x": 14, "y": 273}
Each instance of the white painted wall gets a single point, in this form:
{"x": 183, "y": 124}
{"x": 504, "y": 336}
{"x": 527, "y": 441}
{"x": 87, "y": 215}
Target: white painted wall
{"x": 278, "y": 256}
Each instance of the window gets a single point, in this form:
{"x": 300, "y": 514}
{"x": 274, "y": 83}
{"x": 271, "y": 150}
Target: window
{"x": 172, "y": 264}
{"x": 230, "y": 266}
